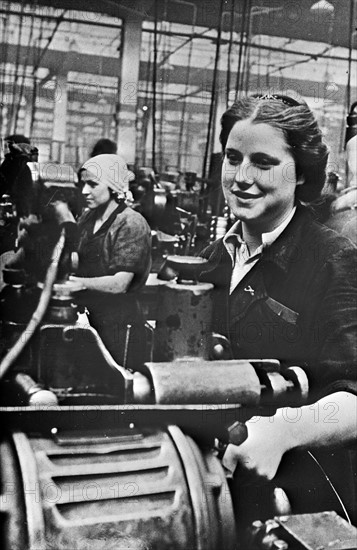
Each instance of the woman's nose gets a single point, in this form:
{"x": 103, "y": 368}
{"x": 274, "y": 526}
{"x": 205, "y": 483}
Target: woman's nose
{"x": 85, "y": 189}
{"x": 244, "y": 176}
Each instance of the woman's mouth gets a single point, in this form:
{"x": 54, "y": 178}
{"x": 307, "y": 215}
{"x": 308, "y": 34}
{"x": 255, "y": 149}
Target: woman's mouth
{"x": 246, "y": 196}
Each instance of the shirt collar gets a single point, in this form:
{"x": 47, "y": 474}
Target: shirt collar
{"x": 271, "y": 236}
{"x": 234, "y": 234}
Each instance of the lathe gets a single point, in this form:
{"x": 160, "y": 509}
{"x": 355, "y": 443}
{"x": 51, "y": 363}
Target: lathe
{"x": 94, "y": 455}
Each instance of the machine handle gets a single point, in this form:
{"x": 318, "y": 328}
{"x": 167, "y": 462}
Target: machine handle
{"x": 235, "y": 433}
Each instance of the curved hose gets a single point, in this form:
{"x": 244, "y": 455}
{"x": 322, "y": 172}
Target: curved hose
{"x": 38, "y": 314}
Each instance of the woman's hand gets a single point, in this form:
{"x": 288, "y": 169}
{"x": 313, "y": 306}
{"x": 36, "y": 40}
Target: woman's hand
{"x": 78, "y": 280}
{"x": 110, "y": 284}
{"x": 261, "y": 453}
{"x": 330, "y": 422}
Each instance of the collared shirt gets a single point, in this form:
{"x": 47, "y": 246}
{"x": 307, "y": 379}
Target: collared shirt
{"x": 237, "y": 248}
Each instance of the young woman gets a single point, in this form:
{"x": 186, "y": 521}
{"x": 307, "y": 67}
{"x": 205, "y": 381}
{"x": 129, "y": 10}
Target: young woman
{"x": 114, "y": 257}
{"x": 286, "y": 286}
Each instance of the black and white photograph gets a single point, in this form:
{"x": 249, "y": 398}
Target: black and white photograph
{"x": 178, "y": 274}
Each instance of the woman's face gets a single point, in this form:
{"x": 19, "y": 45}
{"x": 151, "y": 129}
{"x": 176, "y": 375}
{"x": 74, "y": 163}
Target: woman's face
{"x": 258, "y": 175}
{"x": 96, "y": 193}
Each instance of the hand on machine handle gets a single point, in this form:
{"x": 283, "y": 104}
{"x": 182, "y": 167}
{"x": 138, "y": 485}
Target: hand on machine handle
{"x": 257, "y": 449}
{"x": 253, "y": 461}
{"x": 234, "y": 434}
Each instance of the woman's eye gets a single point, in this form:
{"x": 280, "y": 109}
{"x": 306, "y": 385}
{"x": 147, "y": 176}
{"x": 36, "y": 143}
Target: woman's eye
{"x": 233, "y": 159}
{"x": 263, "y": 163}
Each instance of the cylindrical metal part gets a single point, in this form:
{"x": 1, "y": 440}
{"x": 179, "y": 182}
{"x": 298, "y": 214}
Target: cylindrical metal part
{"x": 27, "y": 392}
{"x": 183, "y": 326}
{"x": 192, "y": 381}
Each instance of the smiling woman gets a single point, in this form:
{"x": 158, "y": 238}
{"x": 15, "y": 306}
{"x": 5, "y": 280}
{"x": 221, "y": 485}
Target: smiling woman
{"x": 285, "y": 285}
{"x": 274, "y": 158}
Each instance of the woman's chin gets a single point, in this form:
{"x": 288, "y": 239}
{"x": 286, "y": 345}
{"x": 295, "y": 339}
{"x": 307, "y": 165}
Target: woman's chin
{"x": 245, "y": 212}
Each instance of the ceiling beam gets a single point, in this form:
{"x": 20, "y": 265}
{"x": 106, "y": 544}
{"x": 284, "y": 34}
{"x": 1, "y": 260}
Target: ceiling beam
{"x": 284, "y": 18}
{"x": 175, "y": 74}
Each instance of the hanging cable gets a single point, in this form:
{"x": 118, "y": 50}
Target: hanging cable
{"x": 4, "y": 61}
{"x": 17, "y": 64}
{"x": 213, "y": 91}
{"x": 267, "y": 72}
{"x": 59, "y": 20}
{"x": 165, "y": 41}
{"x": 154, "y": 84}
{"x": 229, "y": 56}
{"x": 241, "y": 47}
{"x": 114, "y": 108}
{"x": 160, "y": 90}
{"x": 259, "y": 57}
{"x": 332, "y": 486}
{"x": 24, "y": 69}
{"x": 34, "y": 76}
{"x": 145, "y": 117}
{"x": 181, "y": 152}
{"x": 244, "y": 80}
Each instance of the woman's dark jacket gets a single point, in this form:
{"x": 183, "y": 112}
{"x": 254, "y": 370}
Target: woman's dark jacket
{"x": 297, "y": 304}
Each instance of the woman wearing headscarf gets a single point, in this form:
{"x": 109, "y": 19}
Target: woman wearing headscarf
{"x": 114, "y": 257}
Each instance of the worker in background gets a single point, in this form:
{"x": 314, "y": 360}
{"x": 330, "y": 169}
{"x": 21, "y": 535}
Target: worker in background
{"x": 114, "y": 258}
{"x": 15, "y": 175}
{"x": 342, "y": 215}
{"x": 104, "y": 146}
{"x": 285, "y": 289}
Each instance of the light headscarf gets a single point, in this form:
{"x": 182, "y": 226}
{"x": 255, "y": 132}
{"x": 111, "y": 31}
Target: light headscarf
{"x": 111, "y": 170}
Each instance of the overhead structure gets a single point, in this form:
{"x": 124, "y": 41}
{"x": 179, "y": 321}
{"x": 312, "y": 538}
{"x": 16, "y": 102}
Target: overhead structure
{"x": 158, "y": 84}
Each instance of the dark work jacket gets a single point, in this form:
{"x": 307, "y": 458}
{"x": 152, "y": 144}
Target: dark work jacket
{"x": 122, "y": 243}
{"x": 298, "y": 305}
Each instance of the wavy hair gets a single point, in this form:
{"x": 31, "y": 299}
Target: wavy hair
{"x": 302, "y": 134}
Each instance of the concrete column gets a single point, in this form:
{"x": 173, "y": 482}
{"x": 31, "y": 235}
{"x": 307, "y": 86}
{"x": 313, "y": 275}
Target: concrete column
{"x": 128, "y": 87}
{"x": 59, "y": 119}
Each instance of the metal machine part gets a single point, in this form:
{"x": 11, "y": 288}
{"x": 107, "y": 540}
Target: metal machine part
{"x": 249, "y": 383}
{"x": 74, "y": 363}
{"x": 320, "y": 531}
{"x": 147, "y": 488}
{"x": 205, "y": 382}
{"x": 21, "y": 389}
{"x": 183, "y": 327}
